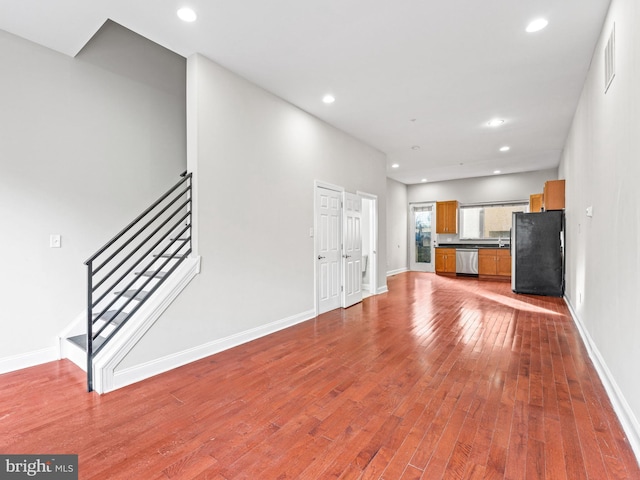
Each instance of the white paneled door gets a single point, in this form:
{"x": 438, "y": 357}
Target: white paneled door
{"x": 352, "y": 249}
{"x": 328, "y": 248}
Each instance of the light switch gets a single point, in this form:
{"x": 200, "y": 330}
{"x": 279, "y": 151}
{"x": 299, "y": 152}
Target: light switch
{"x": 311, "y": 232}
{"x": 589, "y": 211}
{"x": 55, "y": 241}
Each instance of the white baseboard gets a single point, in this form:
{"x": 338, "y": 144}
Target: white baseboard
{"x": 628, "y": 420}
{"x": 383, "y": 289}
{"x": 390, "y": 273}
{"x": 127, "y": 376}
{"x": 29, "y": 359}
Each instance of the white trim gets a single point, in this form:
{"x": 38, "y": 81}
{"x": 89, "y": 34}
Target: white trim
{"x": 109, "y": 358}
{"x": 625, "y": 414}
{"x": 382, "y": 289}
{"x": 391, "y": 273}
{"x": 134, "y": 374}
{"x": 29, "y": 359}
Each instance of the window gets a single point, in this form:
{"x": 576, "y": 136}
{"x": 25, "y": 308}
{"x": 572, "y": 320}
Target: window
{"x": 480, "y": 222}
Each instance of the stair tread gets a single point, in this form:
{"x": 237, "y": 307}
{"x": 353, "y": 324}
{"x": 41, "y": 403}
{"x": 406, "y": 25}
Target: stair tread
{"x": 132, "y": 294}
{"x": 170, "y": 255}
{"x": 153, "y": 273}
{"x": 81, "y": 341}
{"x": 111, "y": 317}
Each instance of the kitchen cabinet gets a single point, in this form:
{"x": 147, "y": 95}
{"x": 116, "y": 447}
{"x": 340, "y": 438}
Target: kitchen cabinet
{"x": 447, "y": 217}
{"x": 553, "y": 195}
{"x": 446, "y": 260}
{"x": 494, "y": 262}
{"x": 535, "y": 202}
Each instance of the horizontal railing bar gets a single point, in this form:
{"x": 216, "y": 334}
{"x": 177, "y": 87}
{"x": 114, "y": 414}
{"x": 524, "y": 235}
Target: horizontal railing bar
{"x": 143, "y": 242}
{"x": 135, "y": 309}
{"x": 137, "y": 219}
{"x": 150, "y": 222}
{"x": 140, "y": 289}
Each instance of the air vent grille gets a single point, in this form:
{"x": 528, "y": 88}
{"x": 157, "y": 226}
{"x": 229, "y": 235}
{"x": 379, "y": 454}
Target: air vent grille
{"x": 610, "y": 59}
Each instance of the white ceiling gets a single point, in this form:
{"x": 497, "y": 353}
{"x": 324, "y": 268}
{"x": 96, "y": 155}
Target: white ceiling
{"x": 404, "y": 73}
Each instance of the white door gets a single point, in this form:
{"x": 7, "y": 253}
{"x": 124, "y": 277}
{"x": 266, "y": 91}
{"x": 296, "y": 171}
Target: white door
{"x": 328, "y": 256}
{"x": 422, "y": 237}
{"x": 352, "y": 251}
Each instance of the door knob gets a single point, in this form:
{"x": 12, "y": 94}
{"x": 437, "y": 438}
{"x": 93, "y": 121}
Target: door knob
{"x": 320, "y": 257}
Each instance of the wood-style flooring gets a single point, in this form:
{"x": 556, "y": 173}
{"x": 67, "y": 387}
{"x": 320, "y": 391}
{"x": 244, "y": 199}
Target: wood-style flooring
{"x": 440, "y": 378}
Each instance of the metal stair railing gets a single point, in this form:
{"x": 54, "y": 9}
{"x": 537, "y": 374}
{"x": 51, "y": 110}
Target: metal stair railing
{"x": 155, "y": 243}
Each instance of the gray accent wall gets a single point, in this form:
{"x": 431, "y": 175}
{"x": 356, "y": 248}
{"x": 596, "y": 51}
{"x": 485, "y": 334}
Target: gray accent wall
{"x": 256, "y": 159}
{"x": 601, "y": 167}
{"x": 86, "y": 144}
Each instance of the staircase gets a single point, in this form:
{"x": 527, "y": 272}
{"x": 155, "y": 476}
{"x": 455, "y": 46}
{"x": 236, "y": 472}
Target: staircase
{"x": 128, "y": 270}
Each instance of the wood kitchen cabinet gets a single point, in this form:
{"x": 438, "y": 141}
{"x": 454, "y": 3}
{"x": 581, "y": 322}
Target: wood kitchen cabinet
{"x": 446, "y": 260}
{"x": 535, "y": 202}
{"x": 447, "y": 217}
{"x": 553, "y": 195}
{"x": 494, "y": 262}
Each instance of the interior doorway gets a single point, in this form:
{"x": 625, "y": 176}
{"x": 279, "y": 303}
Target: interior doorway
{"x": 345, "y": 272}
{"x": 369, "y": 244}
{"x": 422, "y": 221}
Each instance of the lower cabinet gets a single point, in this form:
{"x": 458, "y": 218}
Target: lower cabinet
{"x": 446, "y": 260}
{"x": 494, "y": 262}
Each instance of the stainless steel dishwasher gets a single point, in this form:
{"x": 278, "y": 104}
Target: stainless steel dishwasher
{"x": 467, "y": 261}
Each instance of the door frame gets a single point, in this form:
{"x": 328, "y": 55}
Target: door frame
{"x": 411, "y": 237}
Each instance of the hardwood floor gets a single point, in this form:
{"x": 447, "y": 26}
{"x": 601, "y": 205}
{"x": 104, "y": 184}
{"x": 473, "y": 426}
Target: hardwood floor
{"x": 439, "y": 378}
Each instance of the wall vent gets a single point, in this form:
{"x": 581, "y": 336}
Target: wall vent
{"x": 610, "y": 59}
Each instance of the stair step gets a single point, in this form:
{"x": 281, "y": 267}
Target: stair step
{"x": 132, "y": 294}
{"x": 170, "y": 255}
{"x": 81, "y": 341}
{"x": 111, "y": 317}
{"x": 153, "y": 273}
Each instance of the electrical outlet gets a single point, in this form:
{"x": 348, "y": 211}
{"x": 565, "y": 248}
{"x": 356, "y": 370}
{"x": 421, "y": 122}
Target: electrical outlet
{"x": 55, "y": 241}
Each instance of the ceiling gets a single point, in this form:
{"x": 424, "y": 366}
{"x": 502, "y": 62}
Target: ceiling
{"x": 416, "y": 79}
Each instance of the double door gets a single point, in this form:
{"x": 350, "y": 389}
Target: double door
{"x": 338, "y": 249}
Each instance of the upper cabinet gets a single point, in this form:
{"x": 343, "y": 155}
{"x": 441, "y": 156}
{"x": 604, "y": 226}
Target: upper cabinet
{"x": 447, "y": 217}
{"x": 535, "y": 202}
{"x": 553, "y": 196}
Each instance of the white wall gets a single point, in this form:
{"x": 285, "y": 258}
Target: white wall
{"x": 397, "y": 216}
{"x": 85, "y": 145}
{"x": 496, "y": 188}
{"x": 601, "y": 167}
{"x": 255, "y": 158}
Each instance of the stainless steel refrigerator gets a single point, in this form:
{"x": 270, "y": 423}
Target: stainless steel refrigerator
{"x": 537, "y": 253}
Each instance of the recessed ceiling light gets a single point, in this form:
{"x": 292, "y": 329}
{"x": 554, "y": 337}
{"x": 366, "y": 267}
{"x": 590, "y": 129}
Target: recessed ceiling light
{"x": 496, "y": 171}
{"x": 537, "y": 25}
{"x": 395, "y": 165}
{"x": 496, "y": 122}
{"x": 328, "y": 98}
{"x": 415, "y": 147}
{"x": 506, "y": 148}
{"x": 187, "y": 15}
{"x": 423, "y": 180}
